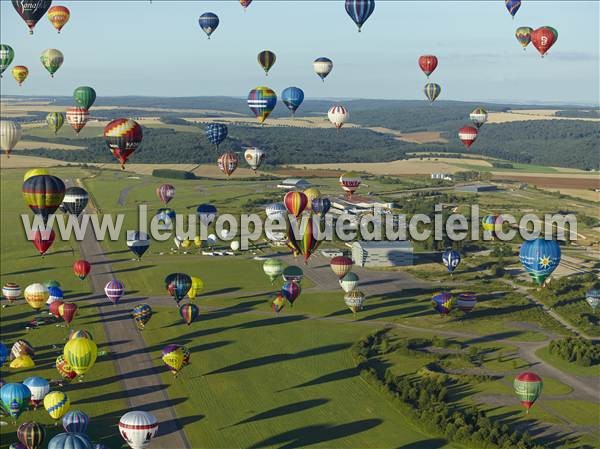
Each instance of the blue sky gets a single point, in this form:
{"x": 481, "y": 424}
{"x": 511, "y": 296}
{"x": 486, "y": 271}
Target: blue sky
{"x": 137, "y": 48}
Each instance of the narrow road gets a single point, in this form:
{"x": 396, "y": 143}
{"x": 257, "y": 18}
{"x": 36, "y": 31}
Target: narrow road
{"x": 150, "y": 391}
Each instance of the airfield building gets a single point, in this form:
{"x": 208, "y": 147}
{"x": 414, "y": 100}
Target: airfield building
{"x": 476, "y": 188}
{"x": 382, "y": 253}
{"x": 294, "y": 184}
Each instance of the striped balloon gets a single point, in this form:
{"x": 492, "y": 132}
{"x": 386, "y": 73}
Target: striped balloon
{"x": 292, "y": 274}
{"x": 58, "y": 16}
{"x": 67, "y": 311}
{"x": 80, "y": 353}
{"x": 35, "y": 172}
{"x": 266, "y": 59}
{"x": 10, "y": 134}
{"x": 320, "y": 206}
{"x": 70, "y": 441}
{"x": 81, "y": 333}
{"x": 216, "y": 133}
{"x": 56, "y": 404}
{"x": 11, "y": 291}
{"x": 466, "y": 301}
{"x": 189, "y": 312}
{"x": 337, "y": 116}
{"x": 278, "y": 303}
{"x": 528, "y": 387}
{"x": 540, "y": 258}
{"x": 349, "y": 282}
{"x": 208, "y": 22}
{"x": 141, "y": 314}
{"x": 227, "y": 163}
{"x": 354, "y": 300}
{"x": 75, "y": 421}
{"x": 432, "y": 91}
{"x": 114, "y": 290}
{"x": 123, "y": 136}
{"x": 350, "y": 182}
{"x": 39, "y": 388}
{"x": 467, "y": 135}
{"x": 14, "y": 398}
{"x": 7, "y": 54}
{"x": 165, "y": 193}
{"x": 55, "y": 121}
{"x": 137, "y": 428}
{"x": 36, "y": 295}
{"x": 307, "y": 242}
{"x": 523, "y": 35}
{"x": 273, "y": 268}
{"x": 323, "y": 67}
{"x": 178, "y": 285}
{"x": 592, "y": 297}
{"x": 359, "y": 11}
{"x": 31, "y": 434}
{"x": 64, "y": 369}
{"x": 443, "y": 303}
{"x": 20, "y": 348}
{"x": 77, "y": 118}
{"x": 341, "y": 265}
{"x": 292, "y": 97}
{"x": 138, "y": 243}
{"x": 478, "y": 116}
{"x": 81, "y": 268}
{"x": 261, "y": 101}
{"x": 295, "y": 203}
{"x": 43, "y": 194}
{"x": 84, "y": 96}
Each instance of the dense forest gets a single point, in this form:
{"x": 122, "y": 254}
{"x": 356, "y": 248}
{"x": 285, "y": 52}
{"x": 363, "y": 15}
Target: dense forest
{"x": 559, "y": 142}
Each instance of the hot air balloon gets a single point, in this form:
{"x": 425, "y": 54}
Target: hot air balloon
{"x": 35, "y": 172}
{"x": 3, "y": 353}
{"x": 137, "y": 428}
{"x": 51, "y": 283}
{"x": 350, "y": 182}
{"x": 189, "y": 312}
{"x": 428, "y": 64}
{"x": 245, "y": 4}
{"x": 273, "y": 268}
{"x": 528, "y": 387}
{"x": 512, "y": 6}
{"x": 58, "y": 16}
{"x": 592, "y": 297}
{"x": 292, "y": 274}
{"x": 10, "y": 134}
{"x": 80, "y": 353}
{"x": 52, "y": 59}
{"x": 31, "y": 434}
{"x": 84, "y": 96}
{"x": 295, "y": 202}
{"x": 311, "y": 194}
{"x": 80, "y": 333}
{"x": 467, "y": 135}
{"x": 227, "y": 163}
{"x": 20, "y": 73}
{"x": 165, "y": 193}
{"x": 466, "y": 301}
{"x": 432, "y": 91}
{"x": 451, "y": 259}
{"x": 196, "y": 288}
{"x": 254, "y": 157}
{"x": 291, "y": 291}
{"x": 123, "y": 136}
{"x": 292, "y": 97}
{"x": 64, "y": 369}
{"x": 75, "y": 421}
{"x": 55, "y": 121}
{"x": 337, "y": 116}
{"x": 207, "y": 214}
{"x": 278, "y": 303}
{"x": 543, "y": 38}
{"x": 341, "y": 266}
{"x": 359, "y": 11}
{"x": 22, "y": 362}
{"x": 56, "y": 403}
{"x": 67, "y": 311}
{"x": 478, "y": 116}
{"x": 172, "y": 356}
{"x": 141, "y": 314}
{"x": 166, "y": 216}
{"x": 21, "y": 348}
{"x": 178, "y": 286}
{"x": 31, "y": 11}
{"x": 539, "y": 258}
{"x": 81, "y": 268}
{"x": 349, "y": 282}
{"x": 75, "y": 200}
{"x": 55, "y": 294}
{"x": 523, "y": 35}
{"x": 77, "y": 118}
{"x": 321, "y": 206}
{"x": 216, "y": 133}
{"x": 208, "y": 22}
{"x": 36, "y": 295}
{"x": 323, "y": 67}
{"x": 11, "y": 292}
{"x": 354, "y": 300}
{"x": 307, "y": 242}
{"x": 114, "y": 290}
{"x": 43, "y": 240}
{"x": 491, "y": 223}
{"x": 442, "y": 303}
{"x": 261, "y": 101}
{"x": 7, "y": 54}
{"x": 39, "y": 387}
{"x": 54, "y": 308}
{"x": 266, "y": 59}
{"x": 275, "y": 211}
{"x": 70, "y": 441}
{"x": 138, "y": 243}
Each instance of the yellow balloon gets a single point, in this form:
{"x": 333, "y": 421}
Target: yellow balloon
{"x": 35, "y": 172}
{"x": 174, "y": 360}
{"x": 196, "y": 288}
{"x": 56, "y": 404}
{"x": 186, "y": 244}
{"x": 23, "y": 361}
{"x": 36, "y": 295}
{"x": 312, "y": 193}
{"x": 81, "y": 354}
{"x": 197, "y": 242}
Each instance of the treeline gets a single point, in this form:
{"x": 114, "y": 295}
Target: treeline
{"x": 576, "y": 350}
{"x": 426, "y": 398}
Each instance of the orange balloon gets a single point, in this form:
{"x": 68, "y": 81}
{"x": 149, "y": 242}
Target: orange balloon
{"x": 59, "y": 16}
{"x": 19, "y": 73}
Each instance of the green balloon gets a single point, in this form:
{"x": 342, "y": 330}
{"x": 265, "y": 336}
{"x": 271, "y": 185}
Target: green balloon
{"x": 84, "y": 96}
{"x": 52, "y": 59}
{"x": 7, "y": 54}
{"x": 55, "y": 121}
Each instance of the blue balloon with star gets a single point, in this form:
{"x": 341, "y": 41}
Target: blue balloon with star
{"x": 540, "y": 258}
